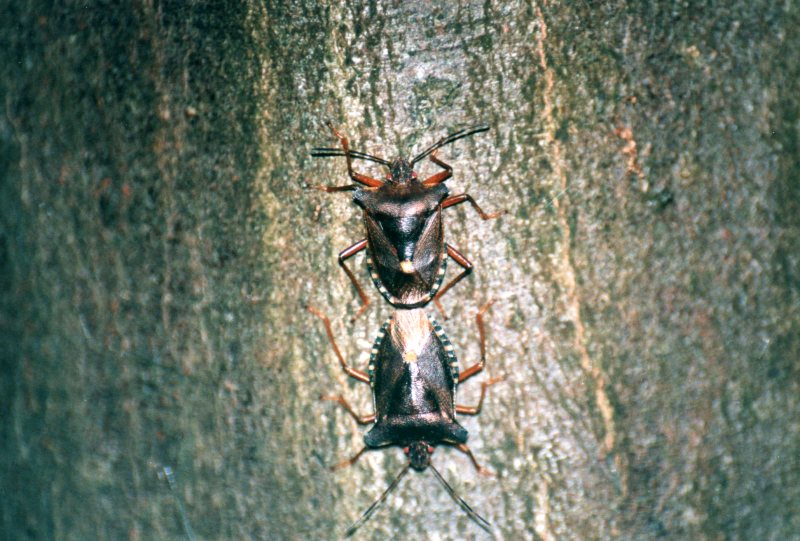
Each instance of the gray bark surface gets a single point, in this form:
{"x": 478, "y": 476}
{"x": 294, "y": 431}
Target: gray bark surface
{"x": 157, "y": 247}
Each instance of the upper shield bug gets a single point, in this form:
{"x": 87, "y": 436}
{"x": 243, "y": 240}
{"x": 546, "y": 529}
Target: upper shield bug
{"x": 413, "y": 373}
{"x": 406, "y": 251}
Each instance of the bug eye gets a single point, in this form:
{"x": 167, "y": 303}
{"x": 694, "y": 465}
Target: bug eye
{"x": 405, "y": 450}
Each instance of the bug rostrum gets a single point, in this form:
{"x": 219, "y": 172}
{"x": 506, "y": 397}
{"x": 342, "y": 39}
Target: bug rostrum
{"x": 406, "y": 251}
{"x": 414, "y": 374}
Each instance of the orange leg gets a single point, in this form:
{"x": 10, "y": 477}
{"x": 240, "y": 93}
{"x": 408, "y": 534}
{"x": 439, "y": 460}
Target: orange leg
{"x": 360, "y": 419}
{"x": 458, "y": 199}
{"x": 475, "y": 410}
{"x": 441, "y": 176}
{"x": 352, "y": 372}
{"x": 481, "y": 470}
{"x": 459, "y": 258}
{"x": 344, "y": 255}
{"x": 477, "y": 367}
{"x": 350, "y": 461}
{"x": 358, "y": 177}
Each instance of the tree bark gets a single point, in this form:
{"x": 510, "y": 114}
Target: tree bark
{"x": 158, "y": 247}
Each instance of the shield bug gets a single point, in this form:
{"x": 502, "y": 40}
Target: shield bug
{"x": 406, "y": 252}
{"x": 414, "y": 374}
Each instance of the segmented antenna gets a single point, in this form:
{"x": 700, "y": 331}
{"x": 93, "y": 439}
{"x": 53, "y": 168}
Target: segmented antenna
{"x": 368, "y": 513}
{"x": 466, "y": 132}
{"x": 482, "y": 522}
{"x": 328, "y": 152}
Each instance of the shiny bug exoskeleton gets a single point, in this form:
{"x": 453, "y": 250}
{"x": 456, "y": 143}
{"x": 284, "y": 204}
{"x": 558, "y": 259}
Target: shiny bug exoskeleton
{"x": 413, "y": 373}
{"x": 406, "y": 251}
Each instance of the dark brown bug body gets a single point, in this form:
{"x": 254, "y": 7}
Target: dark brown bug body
{"x": 407, "y": 254}
{"x": 405, "y": 239}
{"x": 413, "y": 372}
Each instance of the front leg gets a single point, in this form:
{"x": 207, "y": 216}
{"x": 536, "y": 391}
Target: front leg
{"x": 357, "y": 177}
{"x": 477, "y": 367}
{"x": 345, "y": 254}
{"x": 458, "y": 199}
{"x": 350, "y": 461}
{"x": 441, "y": 176}
{"x": 480, "y": 469}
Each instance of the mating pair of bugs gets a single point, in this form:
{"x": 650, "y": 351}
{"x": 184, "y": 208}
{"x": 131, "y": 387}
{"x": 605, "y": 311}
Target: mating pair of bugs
{"x": 413, "y": 369}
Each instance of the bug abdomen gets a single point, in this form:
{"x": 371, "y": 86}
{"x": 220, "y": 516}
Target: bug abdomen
{"x": 413, "y": 385}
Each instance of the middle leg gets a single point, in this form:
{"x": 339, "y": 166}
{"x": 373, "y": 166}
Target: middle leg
{"x": 475, "y": 410}
{"x": 345, "y": 254}
{"x": 360, "y": 419}
{"x": 477, "y": 367}
{"x": 458, "y": 199}
{"x": 352, "y": 372}
{"x": 459, "y": 258}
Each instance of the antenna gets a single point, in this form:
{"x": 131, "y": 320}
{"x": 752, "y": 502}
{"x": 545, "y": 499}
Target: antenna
{"x": 368, "y": 513}
{"x": 466, "y": 132}
{"x": 328, "y": 152}
{"x": 482, "y": 522}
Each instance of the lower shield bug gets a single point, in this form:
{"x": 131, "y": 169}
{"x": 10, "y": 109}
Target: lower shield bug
{"x": 414, "y": 374}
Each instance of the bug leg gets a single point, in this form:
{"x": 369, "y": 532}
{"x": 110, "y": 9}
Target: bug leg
{"x": 441, "y": 176}
{"x": 475, "y": 410}
{"x": 360, "y": 419}
{"x": 357, "y": 177}
{"x": 477, "y": 367}
{"x": 352, "y": 372}
{"x": 350, "y": 461}
{"x": 480, "y": 469}
{"x": 459, "y": 258}
{"x": 458, "y": 199}
{"x": 345, "y": 254}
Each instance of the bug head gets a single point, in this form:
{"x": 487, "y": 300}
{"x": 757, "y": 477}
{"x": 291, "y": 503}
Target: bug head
{"x": 401, "y": 171}
{"x": 419, "y": 455}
